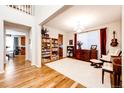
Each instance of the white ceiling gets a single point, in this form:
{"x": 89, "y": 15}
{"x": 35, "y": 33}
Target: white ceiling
{"x": 88, "y": 15}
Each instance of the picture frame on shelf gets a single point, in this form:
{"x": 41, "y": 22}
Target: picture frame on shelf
{"x": 93, "y": 47}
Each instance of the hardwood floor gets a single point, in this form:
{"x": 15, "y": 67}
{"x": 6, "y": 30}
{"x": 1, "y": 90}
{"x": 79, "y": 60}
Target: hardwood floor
{"x": 20, "y": 74}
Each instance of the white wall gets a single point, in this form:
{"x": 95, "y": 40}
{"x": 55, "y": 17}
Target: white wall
{"x": 53, "y": 33}
{"x": 28, "y": 56}
{"x": 111, "y": 27}
{"x": 1, "y": 46}
{"x": 70, "y": 36}
{"x": 44, "y": 11}
{"x": 30, "y": 45}
{"x": 14, "y": 16}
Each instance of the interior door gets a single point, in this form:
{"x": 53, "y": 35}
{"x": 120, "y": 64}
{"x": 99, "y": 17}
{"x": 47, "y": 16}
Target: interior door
{"x": 23, "y": 39}
{"x": 60, "y": 41}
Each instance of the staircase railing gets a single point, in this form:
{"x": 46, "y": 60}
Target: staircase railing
{"x": 28, "y": 9}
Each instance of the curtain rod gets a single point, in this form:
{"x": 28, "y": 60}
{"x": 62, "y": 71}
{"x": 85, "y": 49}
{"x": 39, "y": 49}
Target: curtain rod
{"x": 91, "y": 30}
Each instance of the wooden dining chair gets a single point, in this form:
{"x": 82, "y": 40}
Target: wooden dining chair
{"x": 107, "y": 67}
{"x": 117, "y": 71}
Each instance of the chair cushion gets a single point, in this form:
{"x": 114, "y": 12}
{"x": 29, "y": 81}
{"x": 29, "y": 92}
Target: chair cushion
{"x": 107, "y": 66}
{"x": 106, "y": 57}
{"x": 117, "y": 52}
{"x": 95, "y": 61}
{"x": 114, "y": 52}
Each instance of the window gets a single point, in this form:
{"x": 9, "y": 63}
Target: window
{"x": 90, "y": 38}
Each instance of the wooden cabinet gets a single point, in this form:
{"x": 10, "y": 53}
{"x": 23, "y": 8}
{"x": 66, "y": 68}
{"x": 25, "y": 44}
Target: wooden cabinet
{"x": 78, "y": 54}
{"x": 85, "y": 54}
{"x": 93, "y": 54}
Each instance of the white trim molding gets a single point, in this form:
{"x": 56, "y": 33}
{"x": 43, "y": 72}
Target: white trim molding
{"x": 1, "y": 72}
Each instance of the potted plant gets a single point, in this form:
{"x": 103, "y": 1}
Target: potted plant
{"x": 44, "y": 32}
{"x": 79, "y": 43}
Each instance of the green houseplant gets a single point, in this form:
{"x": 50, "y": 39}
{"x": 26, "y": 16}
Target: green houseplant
{"x": 79, "y": 43}
{"x": 44, "y": 31}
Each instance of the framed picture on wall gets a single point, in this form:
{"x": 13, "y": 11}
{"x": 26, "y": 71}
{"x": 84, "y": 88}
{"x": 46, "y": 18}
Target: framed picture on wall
{"x": 70, "y": 42}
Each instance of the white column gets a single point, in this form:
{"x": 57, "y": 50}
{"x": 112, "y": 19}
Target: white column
{"x": 38, "y": 45}
{"x": 27, "y": 46}
{"x": 33, "y": 46}
{"x": 30, "y": 45}
{"x": 1, "y": 46}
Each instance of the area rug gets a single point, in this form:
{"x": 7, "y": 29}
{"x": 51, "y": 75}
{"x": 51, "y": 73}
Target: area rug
{"x": 81, "y": 72}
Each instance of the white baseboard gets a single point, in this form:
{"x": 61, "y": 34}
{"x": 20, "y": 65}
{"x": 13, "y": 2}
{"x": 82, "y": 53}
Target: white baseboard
{"x": 38, "y": 66}
{"x": 32, "y": 64}
{"x": 1, "y": 72}
{"x": 35, "y": 65}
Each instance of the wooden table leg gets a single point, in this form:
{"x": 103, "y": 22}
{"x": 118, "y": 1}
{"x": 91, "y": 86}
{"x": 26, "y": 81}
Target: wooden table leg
{"x": 119, "y": 80}
{"x": 102, "y": 76}
{"x": 92, "y": 64}
{"x": 98, "y": 65}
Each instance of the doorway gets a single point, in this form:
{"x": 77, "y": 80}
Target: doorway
{"x": 60, "y": 42}
{"x": 17, "y": 47}
{"x": 15, "y": 43}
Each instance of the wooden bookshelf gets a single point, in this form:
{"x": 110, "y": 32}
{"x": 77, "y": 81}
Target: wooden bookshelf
{"x": 49, "y": 49}
{"x": 54, "y": 49}
{"x": 46, "y": 53}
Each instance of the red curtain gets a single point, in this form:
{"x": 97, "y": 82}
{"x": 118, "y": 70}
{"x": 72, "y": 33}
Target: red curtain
{"x": 103, "y": 41}
{"x": 75, "y": 44}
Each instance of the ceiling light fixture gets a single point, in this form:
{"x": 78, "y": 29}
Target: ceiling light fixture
{"x": 78, "y": 28}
